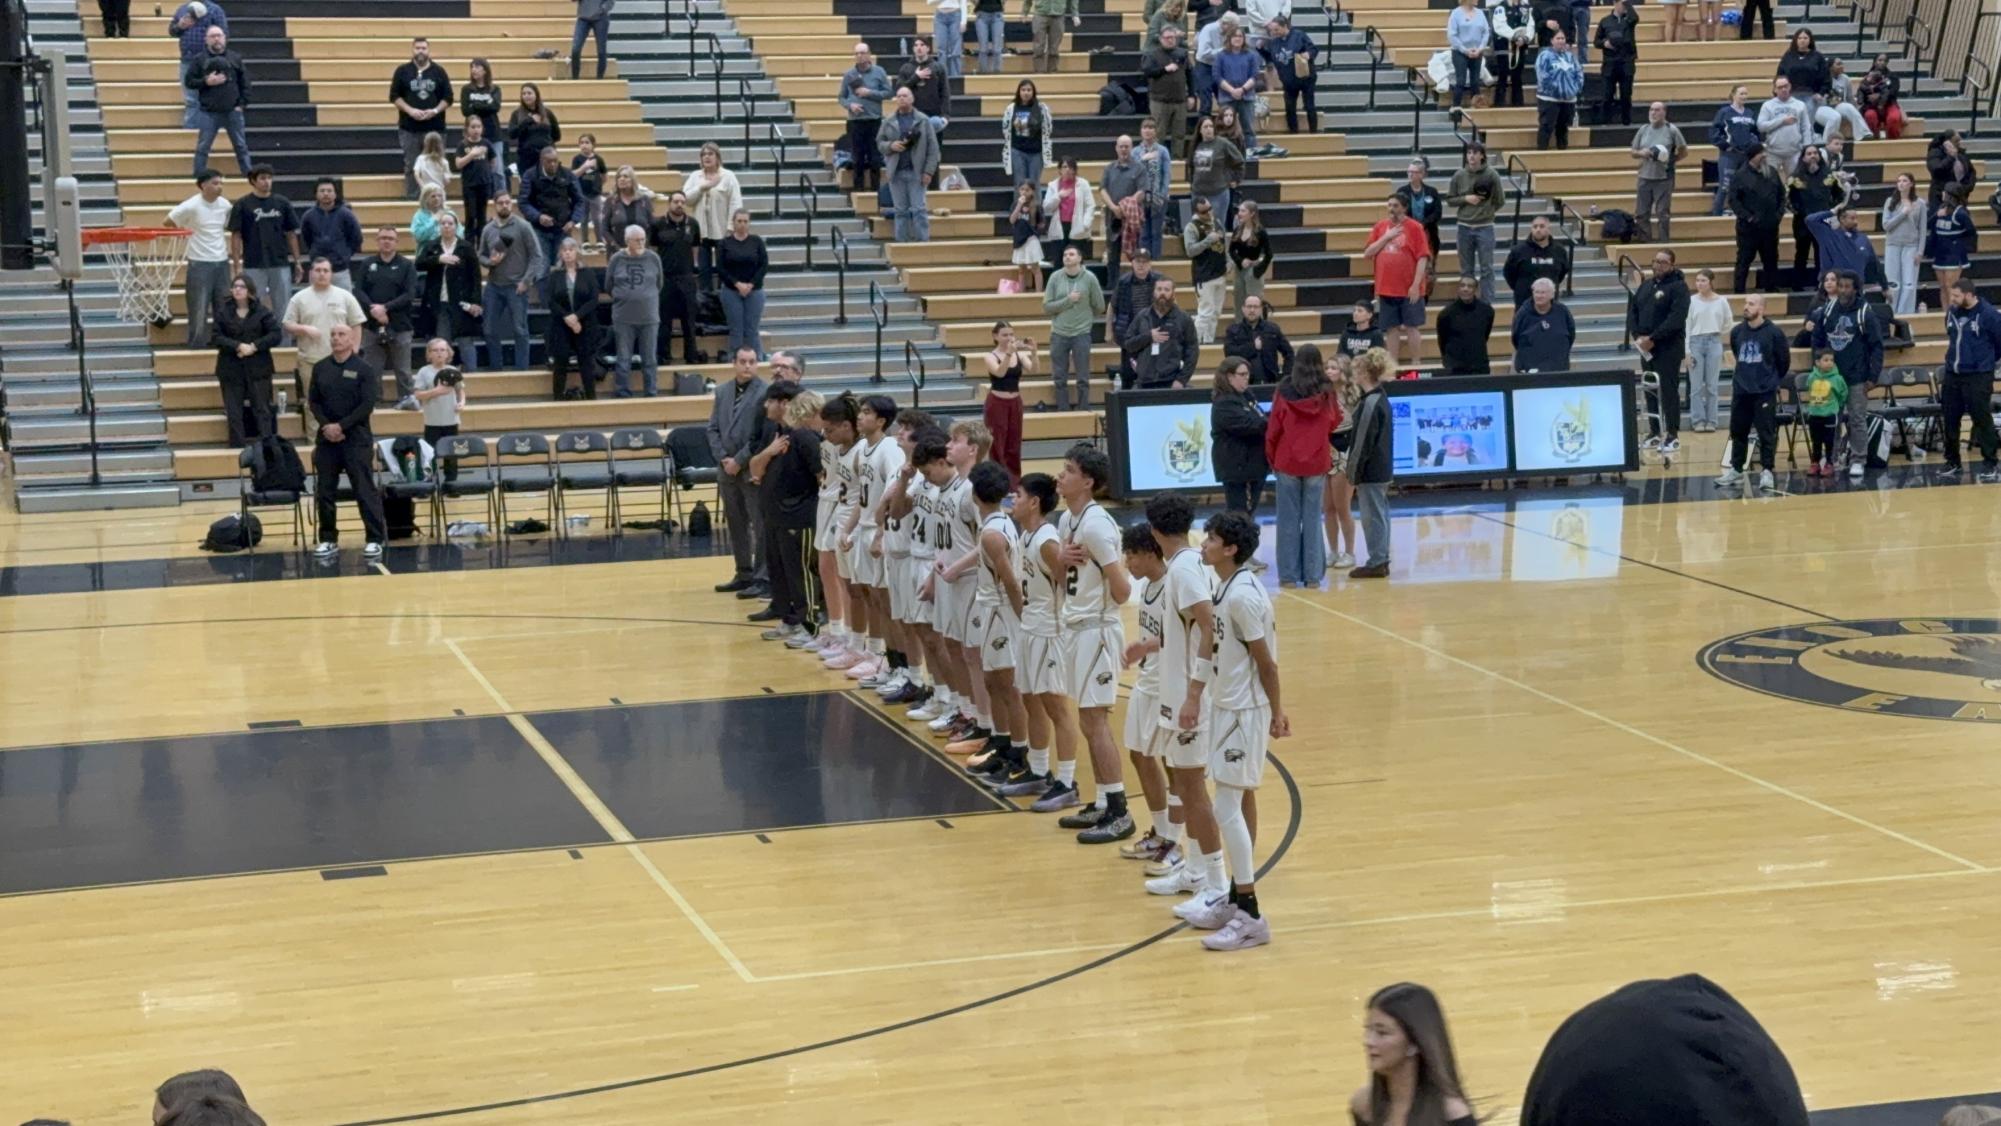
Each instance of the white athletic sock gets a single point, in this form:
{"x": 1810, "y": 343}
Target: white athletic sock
{"x": 1177, "y": 829}
{"x": 875, "y": 646}
{"x": 1066, "y": 772}
{"x": 1213, "y": 876}
{"x": 1111, "y": 788}
{"x": 1038, "y": 760}
{"x": 985, "y": 716}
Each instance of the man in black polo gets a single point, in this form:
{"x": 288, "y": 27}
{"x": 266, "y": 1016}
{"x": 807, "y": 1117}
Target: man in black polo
{"x": 674, "y": 236}
{"x": 422, "y": 93}
{"x": 343, "y": 397}
{"x": 386, "y": 286}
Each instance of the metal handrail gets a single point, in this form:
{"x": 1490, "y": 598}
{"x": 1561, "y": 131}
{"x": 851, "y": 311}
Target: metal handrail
{"x": 694, "y": 14}
{"x": 878, "y": 308}
{"x": 1565, "y": 212}
{"x": 746, "y": 100}
{"x": 776, "y": 139}
{"x": 1478, "y": 136}
{"x": 1625, "y": 263}
{"x": 1378, "y": 52}
{"x": 716, "y": 57}
{"x": 1988, "y": 87}
{"x": 1917, "y": 49}
{"x": 809, "y": 201}
{"x": 913, "y": 370}
{"x": 837, "y": 240}
{"x": 1417, "y": 88}
{"x": 1524, "y": 187}
{"x": 1979, "y": 21}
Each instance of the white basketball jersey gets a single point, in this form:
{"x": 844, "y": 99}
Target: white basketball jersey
{"x": 1243, "y": 615}
{"x": 1086, "y": 600}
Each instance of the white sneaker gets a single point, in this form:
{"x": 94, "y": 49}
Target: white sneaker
{"x": 802, "y": 640}
{"x": 327, "y": 550}
{"x": 1854, "y": 471}
{"x": 896, "y": 683}
{"x": 1765, "y": 482}
{"x": 1343, "y": 559}
{"x": 371, "y": 551}
{"x": 926, "y": 711}
{"x": 1729, "y": 478}
{"x": 943, "y": 720}
{"x": 1671, "y": 446}
{"x": 1181, "y": 881}
{"x": 1241, "y": 933}
{"x": 1206, "y": 910}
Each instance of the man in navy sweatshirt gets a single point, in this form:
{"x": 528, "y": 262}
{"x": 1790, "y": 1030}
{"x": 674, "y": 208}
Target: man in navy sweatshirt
{"x": 1763, "y": 357}
{"x": 1843, "y": 247}
{"x": 1734, "y": 132}
{"x": 1972, "y": 349}
{"x": 1855, "y": 335}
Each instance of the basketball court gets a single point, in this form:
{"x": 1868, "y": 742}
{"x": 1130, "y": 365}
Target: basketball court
{"x": 551, "y": 835}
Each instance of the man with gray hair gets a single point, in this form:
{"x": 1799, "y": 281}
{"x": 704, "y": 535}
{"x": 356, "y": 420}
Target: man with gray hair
{"x": 1543, "y": 331}
{"x": 732, "y": 430}
{"x": 1208, "y": 44}
{"x": 910, "y": 155}
{"x": 633, "y": 275}
{"x": 1658, "y": 146}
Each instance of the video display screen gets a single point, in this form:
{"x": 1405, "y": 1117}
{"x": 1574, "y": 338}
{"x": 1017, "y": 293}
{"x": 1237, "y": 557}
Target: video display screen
{"x": 1582, "y": 428}
{"x": 1449, "y": 434}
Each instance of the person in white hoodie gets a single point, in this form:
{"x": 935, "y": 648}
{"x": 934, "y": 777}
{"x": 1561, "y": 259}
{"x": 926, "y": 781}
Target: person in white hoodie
{"x": 1904, "y": 225}
{"x": 1786, "y": 125}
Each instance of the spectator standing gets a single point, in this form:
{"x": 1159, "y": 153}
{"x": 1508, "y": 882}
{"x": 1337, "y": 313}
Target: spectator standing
{"x": 990, "y": 24}
{"x": 1156, "y": 174}
{"x": 313, "y": 313}
{"x": 1854, "y": 333}
{"x": 865, "y": 86}
{"x": 1123, "y": 192}
{"x": 1806, "y": 69}
{"x": 552, "y": 201}
{"x": 1203, "y": 239}
{"x": 593, "y": 19}
{"x": 479, "y": 99}
{"x": 1814, "y": 188}
{"x": 1824, "y": 393}
{"x": 1370, "y": 466}
{"x": 452, "y": 289}
{"x": 1842, "y": 246}
{"x": 1129, "y": 295}
{"x": 331, "y": 231}
{"x": 1514, "y": 47}
{"x": 424, "y": 220}
{"x": 1543, "y": 331}
{"x": 573, "y": 322}
{"x": 442, "y": 397}
{"x": 1757, "y": 198}
{"x": 387, "y": 292}
{"x": 588, "y": 167}
{"x": 948, "y": 37}
{"x": 1068, "y": 208}
{"x": 1166, "y": 67}
{"x": 1470, "y": 36}
{"x": 1250, "y": 253}
{"x": 1046, "y": 22}
{"x": 421, "y": 92}
{"x": 1658, "y": 146}
{"x": 930, "y": 87}
{"x": 1946, "y": 159}
{"x": 1337, "y": 503}
{"x": 1618, "y": 41}
{"x": 1657, "y": 318}
{"x": 432, "y": 169}
{"x": 633, "y": 277}
{"x": 741, "y": 261}
{"x": 1402, "y": 257}
{"x": 1172, "y": 14}
{"x": 1237, "y": 69}
{"x": 1761, "y": 355}
{"x": 1953, "y": 238}
{"x": 264, "y": 237}
{"x": 676, "y": 236}
{"x": 531, "y": 128}
{"x": 206, "y": 214}
{"x": 1535, "y": 258}
{"x": 628, "y": 203}
{"x": 1422, "y": 202}
{"x": 190, "y": 27}
{"x": 1578, "y": 27}
{"x": 1361, "y": 335}
{"x": 222, "y": 93}
{"x": 733, "y": 423}
{"x": 1973, "y": 347}
{"x": 1213, "y": 166}
{"x": 1905, "y": 223}
{"x": 1028, "y": 136}
{"x": 713, "y": 195}
{"x": 1291, "y": 53}
{"x": 1238, "y": 427}
{"x": 117, "y": 15}
{"x": 1025, "y": 229}
{"x": 1074, "y": 301}
{"x": 512, "y": 254}
{"x": 1209, "y": 41}
{"x": 1755, "y": 7}
{"x": 1464, "y": 326}
{"x": 1010, "y": 359}
{"x": 1709, "y": 321}
{"x": 1559, "y": 78}
{"x": 1478, "y": 193}
{"x": 342, "y": 396}
{"x": 1734, "y": 132}
{"x": 480, "y": 175}
{"x": 1257, "y": 340}
{"x": 245, "y": 333}
{"x": 1299, "y": 449}
{"x": 910, "y": 155}
{"x": 1785, "y": 125}
{"x": 1162, "y": 341}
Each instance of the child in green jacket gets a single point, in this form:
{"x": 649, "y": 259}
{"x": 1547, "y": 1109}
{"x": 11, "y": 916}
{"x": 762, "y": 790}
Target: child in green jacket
{"x": 1823, "y": 393}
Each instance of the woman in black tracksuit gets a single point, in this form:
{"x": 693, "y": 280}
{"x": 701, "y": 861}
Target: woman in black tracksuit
{"x": 241, "y": 322}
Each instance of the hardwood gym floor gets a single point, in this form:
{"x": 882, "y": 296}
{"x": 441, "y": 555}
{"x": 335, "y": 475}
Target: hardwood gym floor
{"x": 552, "y": 836}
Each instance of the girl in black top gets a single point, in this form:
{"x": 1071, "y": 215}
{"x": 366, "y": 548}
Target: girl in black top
{"x": 1414, "y": 1078}
{"x": 480, "y": 98}
{"x": 1806, "y": 67}
{"x": 1362, "y": 333}
{"x": 245, "y": 333}
{"x": 533, "y": 127}
{"x": 1010, "y": 359}
{"x": 742, "y": 261}
{"x": 1250, "y": 252}
{"x": 478, "y": 163}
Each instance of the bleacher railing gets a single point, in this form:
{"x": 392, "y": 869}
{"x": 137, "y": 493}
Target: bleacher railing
{"x": 1418, "y": 86}
{"x": 809, "y": 201}
{"x": 878, "y": 308}
{"x": 1626, "y": 266}
{"x": 746, "y": 102}
{"x": 837, "y": 240}
{"x": 1974, "y": 88}
{"x": 1378, "y": 52}
{"x": 1524, "y": 186}
{"x": 693, "y": 12}
{"x": 1564, "y": 214}
{"x": 776, "y": 140}
{"x": 913, "y": 370}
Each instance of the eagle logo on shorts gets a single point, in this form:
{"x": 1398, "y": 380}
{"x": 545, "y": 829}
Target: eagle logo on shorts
{"x": 1000, "y": 643}
{"x": 1051, "y": 663}
{"x": 976, "y": 621}
{"x": 1184, "y": 737}
{"x": 1233, "y": 754}
{"x": 1104, "y": 678}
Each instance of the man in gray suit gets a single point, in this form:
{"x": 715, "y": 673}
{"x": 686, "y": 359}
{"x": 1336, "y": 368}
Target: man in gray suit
{"x": 732, "y": 423}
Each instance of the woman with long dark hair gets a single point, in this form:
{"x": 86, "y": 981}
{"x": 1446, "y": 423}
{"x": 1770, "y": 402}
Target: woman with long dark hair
{"x": 1298, "y": 446}
{"x": 245, "y": 332}
{"x": 1413, "y": 1076}
{"x": 1238, "y": 427}
{"x": 1012, "y": 357}
{"x": 480, "y": 99}
{"x": 1906, "y": 221}
{"x": 532, "y": 127}
{"x": 1028, "y": 136}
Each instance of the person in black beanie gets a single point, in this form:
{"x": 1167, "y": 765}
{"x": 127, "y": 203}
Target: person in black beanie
{"x": 1679, "y": 1052}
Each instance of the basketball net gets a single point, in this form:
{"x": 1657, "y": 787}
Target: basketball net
{"x": 144, "y": 260}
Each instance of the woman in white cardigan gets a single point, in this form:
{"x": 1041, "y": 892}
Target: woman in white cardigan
{"x": 1068, "y": 203}
{"x": 713, "y": 196}
{"x": 1028, "y": 136}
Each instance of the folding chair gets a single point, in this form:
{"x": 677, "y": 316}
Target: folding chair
{"x": 250, "y": 466}
{"x": 424, "y": 488}
{"x": 589, "y": 469}
{"x": 644, "y": 464}
{"x": 476, "y": 477}
{"x": 688, "y": 449}
{"x": 534, "y": 472}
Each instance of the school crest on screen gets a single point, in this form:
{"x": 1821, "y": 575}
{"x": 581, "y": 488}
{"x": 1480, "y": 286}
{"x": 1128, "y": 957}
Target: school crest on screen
{"x": 1923, "y": 668}
{"x": 1185, "y": 454}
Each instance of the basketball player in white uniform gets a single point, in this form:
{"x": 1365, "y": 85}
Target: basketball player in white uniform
{"x": 967, "y": 448}
{"x": 836, "y": 649}
{"x": 880, "y": 458}
{"x": 1095, "y": 586}
{"x": 905, "y": 533}
{"x": 927, "y": 447}
{"x": 1187, "y": 663}
{"x": 996, "y": 627}
{"x": 1245, "y": 716}
{"x": 1039, "y": 667}
{"x": 1161, "y": 847}
{"x": 948, "y": 488}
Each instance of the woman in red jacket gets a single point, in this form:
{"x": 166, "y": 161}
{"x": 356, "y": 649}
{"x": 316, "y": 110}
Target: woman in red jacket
{"x": 1304, "y": 414}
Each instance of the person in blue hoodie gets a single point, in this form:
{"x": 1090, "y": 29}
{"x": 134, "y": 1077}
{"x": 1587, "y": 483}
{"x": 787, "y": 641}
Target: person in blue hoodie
{"x": 1559, "y": 78}
{"x": 1855, "y": 335}
{"x": 1972, "y": 351}
{"x": 1734, "y": 132}
{"x": 1837, "y": 234}
{"x": 1762, "y": 356}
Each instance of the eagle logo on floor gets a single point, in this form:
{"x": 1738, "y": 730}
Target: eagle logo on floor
{"x": 1924, "y": 668}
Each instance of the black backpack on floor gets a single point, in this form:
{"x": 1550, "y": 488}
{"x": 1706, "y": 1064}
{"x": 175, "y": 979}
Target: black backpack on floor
{"x": 279, "y": 469}
{"x": 699, "y": 520}
{"x": 234, "y": 533}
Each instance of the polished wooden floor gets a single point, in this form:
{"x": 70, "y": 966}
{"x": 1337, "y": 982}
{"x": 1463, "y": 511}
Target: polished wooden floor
{"x": 1513, "y": 781}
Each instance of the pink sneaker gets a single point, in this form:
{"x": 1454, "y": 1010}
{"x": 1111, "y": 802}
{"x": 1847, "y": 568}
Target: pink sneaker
{"x": 1241, "y": 933}
{"x": 842, "y": 659}
{"x": 864, "y": 668}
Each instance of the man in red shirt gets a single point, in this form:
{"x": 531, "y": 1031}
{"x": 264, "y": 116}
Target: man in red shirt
{"x": 1402, "y": 254}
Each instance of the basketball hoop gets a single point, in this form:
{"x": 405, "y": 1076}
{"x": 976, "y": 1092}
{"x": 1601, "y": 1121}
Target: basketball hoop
{"x": 144, "y": 260}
